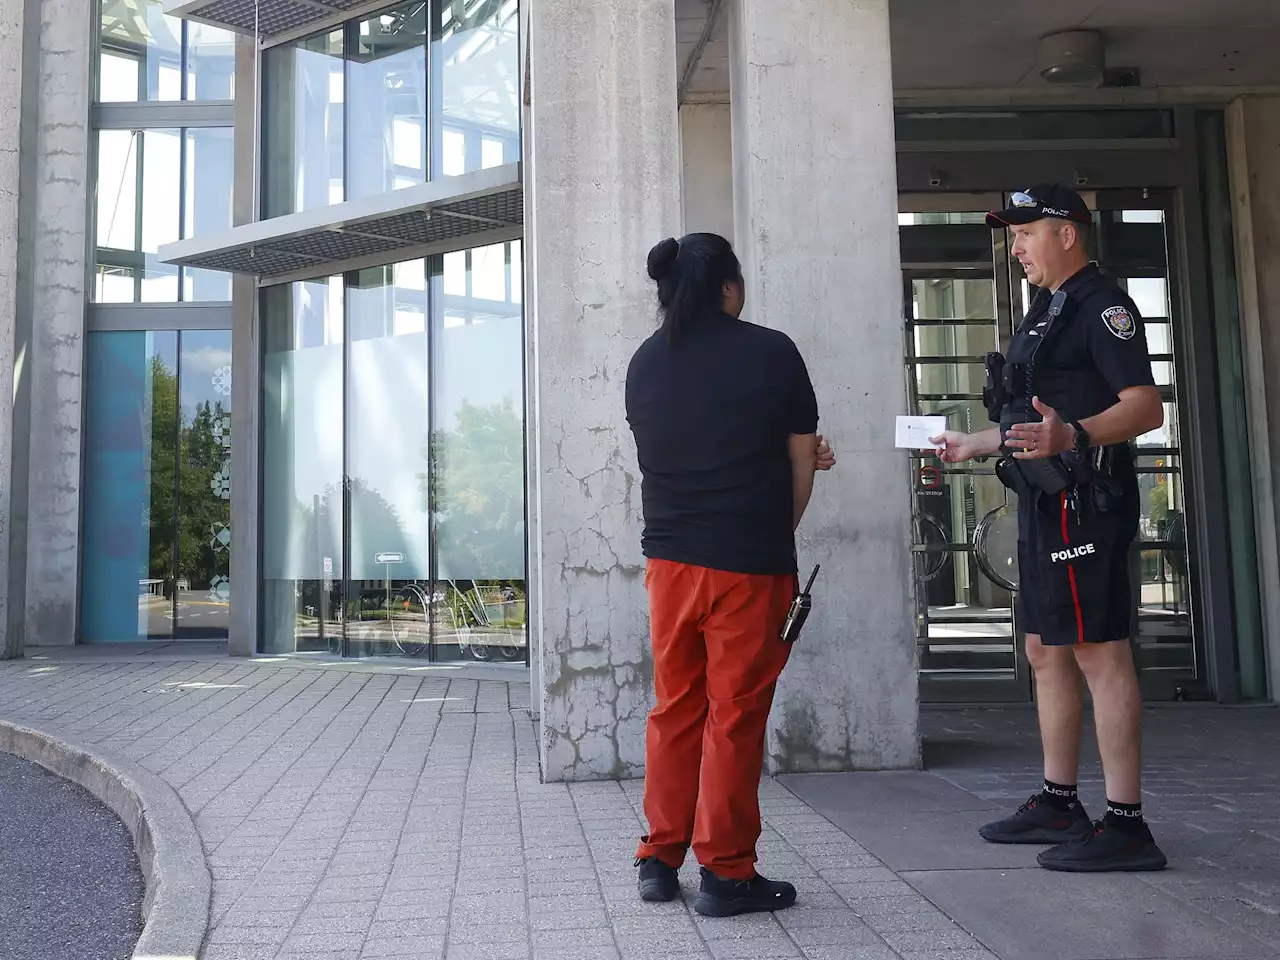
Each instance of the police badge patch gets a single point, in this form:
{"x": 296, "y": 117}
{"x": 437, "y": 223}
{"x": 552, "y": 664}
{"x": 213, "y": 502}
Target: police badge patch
{"x": 1120, "y": 322}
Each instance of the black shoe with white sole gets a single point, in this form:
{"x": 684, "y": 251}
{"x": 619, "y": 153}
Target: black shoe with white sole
{"x": 658, "y": 883}
{"x": 720, "y": 897}
{"x": 1038, "y": 822}
{"x": 1107, "y": 849}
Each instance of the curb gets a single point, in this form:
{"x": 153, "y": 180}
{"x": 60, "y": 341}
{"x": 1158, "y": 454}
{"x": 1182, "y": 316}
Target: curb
{"x": 175, "y": 908}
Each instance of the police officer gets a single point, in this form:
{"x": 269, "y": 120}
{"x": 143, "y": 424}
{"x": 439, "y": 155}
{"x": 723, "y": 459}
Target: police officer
{"x": 1074, "y": 390}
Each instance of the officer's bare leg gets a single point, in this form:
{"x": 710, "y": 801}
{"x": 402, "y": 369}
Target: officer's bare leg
{"x": 1117, "y": 710}
{"x": 1059, "y": 706}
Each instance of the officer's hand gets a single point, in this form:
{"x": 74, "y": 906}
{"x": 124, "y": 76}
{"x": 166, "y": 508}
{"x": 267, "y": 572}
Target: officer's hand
{"x": 1042, "y": 440}
{"x": 826, "y": 456}
{"x": 955, "y": 447}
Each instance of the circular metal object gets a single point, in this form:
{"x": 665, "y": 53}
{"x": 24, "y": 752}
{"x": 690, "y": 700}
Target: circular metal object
{"x": 929, "y": 548}
{"x": 995, "y": 546}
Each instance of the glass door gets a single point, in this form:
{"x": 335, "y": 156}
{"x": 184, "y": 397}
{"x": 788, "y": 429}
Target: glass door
{"x": 956, "y": 310}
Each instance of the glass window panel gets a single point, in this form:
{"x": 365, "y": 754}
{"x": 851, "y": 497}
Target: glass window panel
{"x": 1159, "y": 337}
{"x": 489, "y": 272}
{"x": 517, "y": 272}
{"x": 1162, "y": 370}
{"x": 1167, "y": 435}
{"x": 388, "y": 450}
{"x": 117, "y": 184}
{"x": 211, "y": 62}
{"x": 204, "y": 485}
{"x": 210, "y": 164}
{"x": 131, "y": 416}
{"x": 138, "y": 187}
{"x": 478, "y": 446}
{"x": 455, "y": 273}
{"x": 303, "y": 93}
{"x": 475, "y": 55}
{"x": 388, "y": 77}
{"x": 113, "y": 285}
{"x": 1142, "y": 216}
{"x": 119, "y": 78}
{"x": 492, "y": 152}
{"x": 302, "y": 480}
{"x": 1150, "y": 294}
{"x": 140, "y": 55}
{"x": 948, "y": 298}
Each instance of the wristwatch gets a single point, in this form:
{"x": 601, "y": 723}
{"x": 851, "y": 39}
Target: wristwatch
{"x": 1081, "y": 443}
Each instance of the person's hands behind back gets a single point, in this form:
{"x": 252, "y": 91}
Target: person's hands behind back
{"x": 826, "y": 456}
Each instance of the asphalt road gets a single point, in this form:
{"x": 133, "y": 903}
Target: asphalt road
{"x": 70, "y": 887}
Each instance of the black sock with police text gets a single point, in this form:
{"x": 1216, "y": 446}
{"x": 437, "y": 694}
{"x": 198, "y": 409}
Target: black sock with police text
{"x": 1059, "y": 796}
{"x": 1124, "y": 816}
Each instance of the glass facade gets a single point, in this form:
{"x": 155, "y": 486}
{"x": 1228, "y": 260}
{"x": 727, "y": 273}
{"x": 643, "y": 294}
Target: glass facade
{"x": 435, "y": 90}
{"x": 157, "y": 508}
{"x": 155, "y": 187}
{"x": 393, "y": 460}
{"x": 144, "y": 55}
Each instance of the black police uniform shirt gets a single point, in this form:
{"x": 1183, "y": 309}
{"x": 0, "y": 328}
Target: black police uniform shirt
{"x": 1095, "y": 348}
{"x": 711, "y": 414}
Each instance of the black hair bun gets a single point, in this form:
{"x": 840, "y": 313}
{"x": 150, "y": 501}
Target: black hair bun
{"x": 662, "y": 258}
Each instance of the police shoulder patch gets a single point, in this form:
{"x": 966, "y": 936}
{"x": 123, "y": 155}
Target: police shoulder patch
{"x": 1120, "y": 322}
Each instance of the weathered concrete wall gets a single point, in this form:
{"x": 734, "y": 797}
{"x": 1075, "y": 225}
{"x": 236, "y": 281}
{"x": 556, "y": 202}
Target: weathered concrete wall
{"x": 605, "y": 169}
{"x": 1253, "y": 150}
{"x": 706, "y": 148}
{"x": 47, "y": 76}
{"x": 816, "y": 195}
{"x": 58, "y": 276}
{"x": 12, "y": 44}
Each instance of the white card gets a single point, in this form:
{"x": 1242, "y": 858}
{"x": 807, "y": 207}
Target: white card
{"x": 913, "y": 433}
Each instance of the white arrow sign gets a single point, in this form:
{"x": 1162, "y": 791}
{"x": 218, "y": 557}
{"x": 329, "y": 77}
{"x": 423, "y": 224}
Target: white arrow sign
{"x": 388, "y": 558}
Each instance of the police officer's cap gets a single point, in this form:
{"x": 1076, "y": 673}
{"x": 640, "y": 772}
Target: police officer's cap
{"x": 1036, "y": 203}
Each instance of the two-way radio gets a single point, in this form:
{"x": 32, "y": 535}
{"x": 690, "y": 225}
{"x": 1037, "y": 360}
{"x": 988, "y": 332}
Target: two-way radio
{"x": 799, "y": 611}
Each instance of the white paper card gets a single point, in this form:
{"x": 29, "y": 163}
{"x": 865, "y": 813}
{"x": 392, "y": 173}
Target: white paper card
{"x": 913, "y": 433}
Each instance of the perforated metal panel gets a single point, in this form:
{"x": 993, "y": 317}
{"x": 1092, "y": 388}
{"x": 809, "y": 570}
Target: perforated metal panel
{"x": 399, "y": 225}
{"x": 271, "y": 18}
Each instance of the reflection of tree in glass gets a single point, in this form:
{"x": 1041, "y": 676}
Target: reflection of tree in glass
{"x": 160, "y": 516}
{"x": 478, "y": 495}
{"x": 198, "y": 507}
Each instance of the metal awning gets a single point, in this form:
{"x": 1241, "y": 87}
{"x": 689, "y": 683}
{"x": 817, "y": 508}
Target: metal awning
{"x": 454, "y": 213}
{"x": 268, "y": 19}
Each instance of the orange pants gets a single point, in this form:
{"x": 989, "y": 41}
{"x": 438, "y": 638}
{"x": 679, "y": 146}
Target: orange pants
{"x": 717, "y": 654}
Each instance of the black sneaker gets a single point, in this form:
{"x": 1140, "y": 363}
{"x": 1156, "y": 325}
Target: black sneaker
{"x": 659, "y": 883}
{"x": 1106, "y": 849}
{"x": 1037, "y": 822}
{"x": 727, "y": 898}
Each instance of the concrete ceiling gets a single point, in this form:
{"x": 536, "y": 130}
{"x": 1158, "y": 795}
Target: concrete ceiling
{"x": 991, "y": 44}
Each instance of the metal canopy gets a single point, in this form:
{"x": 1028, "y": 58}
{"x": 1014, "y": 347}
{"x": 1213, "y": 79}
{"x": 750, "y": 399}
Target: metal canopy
{"x": 267, "y": 18}
{"x": 454, "y": 213}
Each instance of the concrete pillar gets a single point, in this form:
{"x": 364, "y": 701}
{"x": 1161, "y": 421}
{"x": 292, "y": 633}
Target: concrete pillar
{"x": 706, "y": 154}
{"x": 604, "y": 165}
{"x": 44, "y": 70}
{"x": 816, "y": 197}
{"x": 246, "y": 351}
{"x": 1253, "y": 151}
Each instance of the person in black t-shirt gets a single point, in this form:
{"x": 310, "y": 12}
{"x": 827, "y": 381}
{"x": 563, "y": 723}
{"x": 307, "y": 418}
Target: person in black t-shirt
{"x": 725, "y": 424}
{"x": 1075, "y": 391}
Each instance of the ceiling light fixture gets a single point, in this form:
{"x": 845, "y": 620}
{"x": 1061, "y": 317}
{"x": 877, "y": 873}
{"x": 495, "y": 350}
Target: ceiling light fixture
{"x": 1072, "y": 57}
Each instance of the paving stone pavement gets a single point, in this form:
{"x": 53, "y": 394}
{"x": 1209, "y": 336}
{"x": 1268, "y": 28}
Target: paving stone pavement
{"x": 350, "y": 813}
{"x": 356, "y": 815}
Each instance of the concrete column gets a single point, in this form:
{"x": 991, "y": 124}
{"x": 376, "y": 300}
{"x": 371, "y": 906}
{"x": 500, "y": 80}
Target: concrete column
{"x": 604, "y": 165}
{"x": 706, "y": 148}
{"x": 246, "y": 351}
{"x": 44, "y": 69}
{"x": 816, "y": 197}
{"x": 1253, "y": 151}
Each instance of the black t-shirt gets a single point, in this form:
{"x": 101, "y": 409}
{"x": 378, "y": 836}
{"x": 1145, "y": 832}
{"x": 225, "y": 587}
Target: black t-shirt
{"x": 1096, "y": 348}
{"x": 711, "y": 414}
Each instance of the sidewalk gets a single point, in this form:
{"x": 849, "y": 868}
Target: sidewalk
{"x": 350, "y": 813}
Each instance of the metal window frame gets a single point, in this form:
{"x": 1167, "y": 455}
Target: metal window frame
{"x": 187, "y": 315}
{"x": 165, "y": 114}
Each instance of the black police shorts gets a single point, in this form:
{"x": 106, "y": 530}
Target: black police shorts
{"x": 1073, "y": 568}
